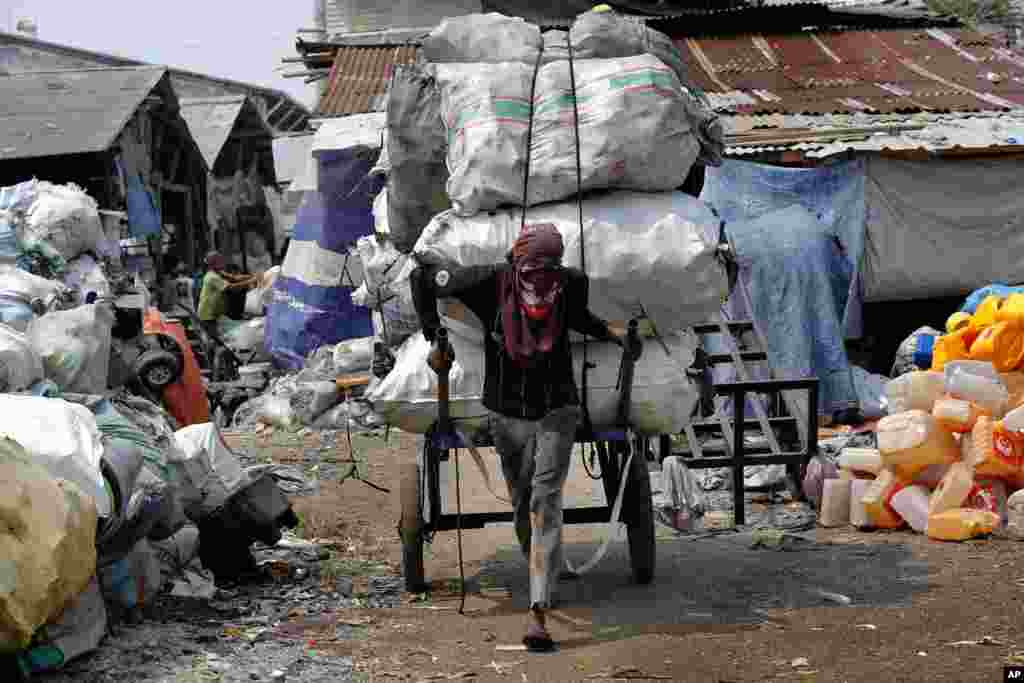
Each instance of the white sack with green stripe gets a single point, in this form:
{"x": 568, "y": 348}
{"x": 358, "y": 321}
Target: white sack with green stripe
{"x": 634, "y": 131}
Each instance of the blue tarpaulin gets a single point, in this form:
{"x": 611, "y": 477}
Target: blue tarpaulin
{"x": 143, "y": 214}
{"x": 799, "y": 239}
{"x": 312, "y": 300}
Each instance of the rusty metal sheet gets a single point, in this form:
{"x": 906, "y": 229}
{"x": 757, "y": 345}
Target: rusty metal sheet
{"x": 359, "y": 79}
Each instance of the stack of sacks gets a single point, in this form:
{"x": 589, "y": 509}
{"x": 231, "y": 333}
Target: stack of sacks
{"x": 494, "y": 91}
{"x": 946, "y": 461}
{"x": 495, "y": 98}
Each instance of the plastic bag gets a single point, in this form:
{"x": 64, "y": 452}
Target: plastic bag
{"x": 343, "y": 415}
{"x": 78, "y": 631}
{"x": 680, "y": 501}
{"x": 818, "y": 470}
{"x": 61, "y": 437}
{"x": 354, "y": 355}
{"x": 135, "y": 580}
{"x": 65, "y": 218}
{"x": 47, "y": 548}
{"x": 416, "y": 142}
{"x": 210, "y": 466}
{"x": 633, "y": 133}
{"x": 84, "y": 276}
{"x": 75, "y": 347}
{"x": 491, "y": 37}
{"x": 247, "y": 336}
{"x": 313, "y": 399}
{"x": 17, "y": 281}
{"x": 20, "y": 365}
{"x": 663, "y": 394}
{"x": 634, "y": 242}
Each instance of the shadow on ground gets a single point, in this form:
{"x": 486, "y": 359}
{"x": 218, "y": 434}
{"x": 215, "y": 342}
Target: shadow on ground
{"x": 720, "y": 581}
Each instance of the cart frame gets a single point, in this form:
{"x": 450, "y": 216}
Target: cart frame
{"x": 420, "y": 482}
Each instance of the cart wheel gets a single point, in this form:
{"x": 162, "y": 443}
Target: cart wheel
{"x": 638, "y": 513}
{"x": 410, "y": 528}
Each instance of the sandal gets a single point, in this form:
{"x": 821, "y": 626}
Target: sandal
{"x": 537, "y": 639}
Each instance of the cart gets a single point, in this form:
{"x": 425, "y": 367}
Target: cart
{"x": 420, "y": 482}
{"x": 790, "y": 438}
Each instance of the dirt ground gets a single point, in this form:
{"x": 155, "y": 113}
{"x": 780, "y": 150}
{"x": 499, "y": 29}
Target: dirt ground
{"x": 829, "y": 605}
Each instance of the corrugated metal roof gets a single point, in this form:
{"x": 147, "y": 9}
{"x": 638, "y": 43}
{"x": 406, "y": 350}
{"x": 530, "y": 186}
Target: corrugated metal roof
{"x": 822, "y": 136}
{"x": 211, "y": 120}
{"x": 358, "y": 81}
{"x": 848, "y": 71}
{"x": 70, "y": 112}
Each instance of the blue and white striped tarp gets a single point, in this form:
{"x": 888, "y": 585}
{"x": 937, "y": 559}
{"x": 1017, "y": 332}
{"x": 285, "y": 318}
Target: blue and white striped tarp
{"x": 312, "y": 299}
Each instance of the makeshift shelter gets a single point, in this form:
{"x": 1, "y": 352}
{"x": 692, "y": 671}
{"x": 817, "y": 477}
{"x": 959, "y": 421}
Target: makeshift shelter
{"x": 237, "y": 146}
{"x": 119, "y": 134}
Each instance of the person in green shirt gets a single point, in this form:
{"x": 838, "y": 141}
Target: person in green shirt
{"x": 215, "y": 283}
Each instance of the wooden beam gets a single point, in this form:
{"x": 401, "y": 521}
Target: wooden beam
{"x": 172, "y": 170}
{"x": 287, "y": 120}
{"x": 280, "y": 103}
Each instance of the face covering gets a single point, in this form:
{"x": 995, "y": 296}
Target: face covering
{"x": 530, "y": 294}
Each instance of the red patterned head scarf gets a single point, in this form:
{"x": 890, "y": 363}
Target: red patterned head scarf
{"x": 530, "y": 293}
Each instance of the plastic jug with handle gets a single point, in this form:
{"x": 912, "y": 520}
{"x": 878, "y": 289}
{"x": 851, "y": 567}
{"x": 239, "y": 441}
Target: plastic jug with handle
{"x": 861, "y": 460}
{"x": 956, "y": 415}
{"x": 953, "y": 490}
{"x": 911, "y": 503}
{"x": 876, "y": 501}
{"x": 961, "y": 524}
{"x": 996, "y": 449}
{"x": 915, "y": 438}
{"x": 1012, "y": 309}
{"x": 978, "y": 382}
{"x": 953, "y": 346}
{"x": 1001, "y": 344}
{"x": 915, "y": 391}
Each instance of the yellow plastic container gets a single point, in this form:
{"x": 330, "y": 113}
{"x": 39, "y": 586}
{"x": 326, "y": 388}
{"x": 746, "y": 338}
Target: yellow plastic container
{"x": 1012, "y": 309}
{"x": 953, "y": 490}
{"x": 915, "y": 438}
{"x": 953, "y": 346}
{"x": 961, "y": 524}
{"x": 987, "y": 312}
{"x": 958, "y": 320}
{"x": 994, "y": 451}
{"x": 1001, "y": 344}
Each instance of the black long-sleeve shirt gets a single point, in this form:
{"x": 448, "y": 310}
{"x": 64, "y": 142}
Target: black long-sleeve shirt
{"x": 527, "y": 393}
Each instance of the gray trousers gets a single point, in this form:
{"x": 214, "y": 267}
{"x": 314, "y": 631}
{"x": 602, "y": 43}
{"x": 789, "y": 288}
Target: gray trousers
{"x": 535, "y": 458}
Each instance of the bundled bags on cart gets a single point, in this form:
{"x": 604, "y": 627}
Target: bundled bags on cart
{"x": 663, "y": 395}
{"x": 495, "y": 91}
{"x": 642, "y": 250}
{"x": 633, "y": 130}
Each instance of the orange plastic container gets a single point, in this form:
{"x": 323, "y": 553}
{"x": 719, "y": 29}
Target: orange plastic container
{"x": 995, "y": 451}
{"x": 953, "y": 346}
{"x": 876, "y": 501}
{"x": 1001, "y": 344}
{"x": 915, "y": 438}
{"x": 961, "y": 524}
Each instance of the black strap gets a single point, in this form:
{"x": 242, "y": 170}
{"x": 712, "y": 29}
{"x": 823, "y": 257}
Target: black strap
{"x": 588, "y": 425}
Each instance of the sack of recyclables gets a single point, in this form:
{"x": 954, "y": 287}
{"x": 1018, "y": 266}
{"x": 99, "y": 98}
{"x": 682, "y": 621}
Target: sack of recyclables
{"x": 646, "y": 250}
{"x": 634, "y": 131}
{"x": 663, "y": 396}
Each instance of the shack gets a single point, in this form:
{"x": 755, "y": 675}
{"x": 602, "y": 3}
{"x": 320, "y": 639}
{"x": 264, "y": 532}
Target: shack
{"x": 237, "y": 146}
{"x": 119, "y": 134}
